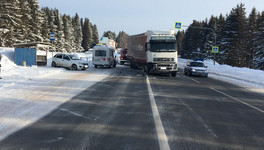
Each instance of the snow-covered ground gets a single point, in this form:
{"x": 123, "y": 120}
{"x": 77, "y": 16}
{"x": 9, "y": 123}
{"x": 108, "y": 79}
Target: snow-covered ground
{"x": 28, "y": 93}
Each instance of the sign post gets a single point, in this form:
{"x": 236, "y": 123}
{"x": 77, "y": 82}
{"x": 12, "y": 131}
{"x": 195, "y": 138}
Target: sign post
{"x": 215, "y": 49}
{"x": 52, "y": 38}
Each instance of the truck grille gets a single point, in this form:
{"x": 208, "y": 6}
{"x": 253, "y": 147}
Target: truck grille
{"x": 163, "y": 59}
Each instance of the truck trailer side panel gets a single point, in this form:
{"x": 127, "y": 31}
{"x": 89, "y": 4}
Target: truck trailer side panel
{"x": 137, "y": 48}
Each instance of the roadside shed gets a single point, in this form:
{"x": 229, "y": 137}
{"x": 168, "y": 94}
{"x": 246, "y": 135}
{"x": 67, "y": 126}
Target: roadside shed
{"x": 27, "y": 54}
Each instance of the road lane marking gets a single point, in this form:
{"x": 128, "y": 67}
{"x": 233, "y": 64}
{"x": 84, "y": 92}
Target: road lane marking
{"x": 71, "y": 112}
{"x": 163, "y": 141}
{"x": 200, "y": 119}
{"x": 247, "y": 104}
{"x": 193, "y": 79}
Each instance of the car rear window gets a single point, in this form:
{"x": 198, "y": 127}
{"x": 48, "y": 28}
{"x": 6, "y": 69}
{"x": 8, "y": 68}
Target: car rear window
{"x": 100, "y": 53}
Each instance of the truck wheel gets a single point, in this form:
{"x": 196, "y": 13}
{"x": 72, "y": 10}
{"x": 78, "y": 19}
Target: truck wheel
{"x": 122, "y": 63}
{"x": 173, "y": 74}
{"x": 147, "y": 69}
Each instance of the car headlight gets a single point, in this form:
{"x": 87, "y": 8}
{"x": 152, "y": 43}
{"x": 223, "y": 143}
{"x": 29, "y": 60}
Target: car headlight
{"x": 193, "y": 70}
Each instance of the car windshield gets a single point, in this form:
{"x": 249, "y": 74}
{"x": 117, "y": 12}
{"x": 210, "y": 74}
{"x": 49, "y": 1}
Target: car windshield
{"x": 197, "y": 64}
{"x": 163, "y": 47}
{"x": 74, "y": 57}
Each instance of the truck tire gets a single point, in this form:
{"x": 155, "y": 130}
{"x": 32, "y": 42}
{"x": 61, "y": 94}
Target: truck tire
{"x": 122, "y": 63}
{"x": 147, "y": 69}
{"x": 173, "y": 74}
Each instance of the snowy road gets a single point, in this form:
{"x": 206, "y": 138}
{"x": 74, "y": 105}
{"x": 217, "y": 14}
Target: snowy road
{"x": 25, "y": 101}
{"x": 116, "y": 113}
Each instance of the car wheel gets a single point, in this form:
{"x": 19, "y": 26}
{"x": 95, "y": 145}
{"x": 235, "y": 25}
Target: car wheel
{"x": 95, "y": 66}
{"x": 74, "y": 67}
{"x": 53, "y": 64}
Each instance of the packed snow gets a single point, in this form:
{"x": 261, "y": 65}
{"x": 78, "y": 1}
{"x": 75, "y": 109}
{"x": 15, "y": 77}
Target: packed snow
{"x": 29, "y": 93}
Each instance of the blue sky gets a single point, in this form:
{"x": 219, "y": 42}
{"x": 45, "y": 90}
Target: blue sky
{"x": 137, "y": 16}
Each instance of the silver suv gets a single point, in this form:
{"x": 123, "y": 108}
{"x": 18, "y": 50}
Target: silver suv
{"x": 70, "y": 61}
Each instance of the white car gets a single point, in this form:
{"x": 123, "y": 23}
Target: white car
{"x": 70, "y": 61}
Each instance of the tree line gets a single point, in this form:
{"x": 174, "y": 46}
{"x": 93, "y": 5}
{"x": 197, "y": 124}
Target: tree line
{"x": 240, "y": 38}
{"x": 22, "y": 21}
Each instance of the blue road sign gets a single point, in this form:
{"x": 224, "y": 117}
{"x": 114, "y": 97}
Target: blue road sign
{"x": 52, "y": 36}
{"x": 215, "y": 49}
{"x": 178, "y": 25}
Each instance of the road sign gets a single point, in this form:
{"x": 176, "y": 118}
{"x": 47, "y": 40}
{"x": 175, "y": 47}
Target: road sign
{"x": 52, "y": 36}
{"x": 215, "y": 49}
{"x": 178, "y": 25}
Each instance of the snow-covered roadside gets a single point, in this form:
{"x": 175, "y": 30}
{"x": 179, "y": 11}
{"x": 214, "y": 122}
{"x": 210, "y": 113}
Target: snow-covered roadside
{"x": 250, "y": 79}
{"x": 29, "y": 93}
{"x": 25, "y": 102}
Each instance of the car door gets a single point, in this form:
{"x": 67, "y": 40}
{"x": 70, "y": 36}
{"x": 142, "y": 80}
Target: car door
{"x": 58, "y": 59}
{"x": 66, "y": 61}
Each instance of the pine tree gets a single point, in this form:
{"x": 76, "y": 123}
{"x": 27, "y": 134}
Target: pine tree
{"x": 68, "y": 32}
{"x": 258, "y": 43}
{"x": 235, "y": 37}
{"x": 60, "y": 38}
{"x": 122, "y": 39}
{"x": 87, "y": 35}
{"x": 251, "y": 30}
{"x": 221, "y": 20}
{"x": 191, "y": 39}
{"x": 95, "y": 39}
{"x": 78, "y": 35}
{"x": 34, "y": 21}
{"x": 10, "y": 21}
{"x": 110, "y": 35}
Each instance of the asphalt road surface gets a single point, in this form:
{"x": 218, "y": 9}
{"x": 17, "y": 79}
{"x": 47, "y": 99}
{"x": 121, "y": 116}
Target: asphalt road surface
{"x": 124, "y": 112}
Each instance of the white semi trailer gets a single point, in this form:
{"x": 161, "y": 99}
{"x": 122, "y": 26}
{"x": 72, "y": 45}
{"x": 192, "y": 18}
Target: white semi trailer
{"x": 154, "y": 51}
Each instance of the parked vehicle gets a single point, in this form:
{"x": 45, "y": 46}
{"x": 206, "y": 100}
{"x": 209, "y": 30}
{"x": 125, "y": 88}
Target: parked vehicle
{"x": 153, "y": 51}
{"x": 196, "y": 68}
{"x": 123, "y": 56}
{"x": 103, "y": 55}
{"x": 70, "y": 61}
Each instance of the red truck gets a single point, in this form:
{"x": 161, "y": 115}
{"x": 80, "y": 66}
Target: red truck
{"x": 123, "y": 56}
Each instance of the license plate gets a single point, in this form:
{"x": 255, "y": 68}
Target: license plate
{"x": 163, "y": 68}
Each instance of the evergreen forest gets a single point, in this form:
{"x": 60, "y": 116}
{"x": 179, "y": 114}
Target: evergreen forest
{"x": 240, "y": 38}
